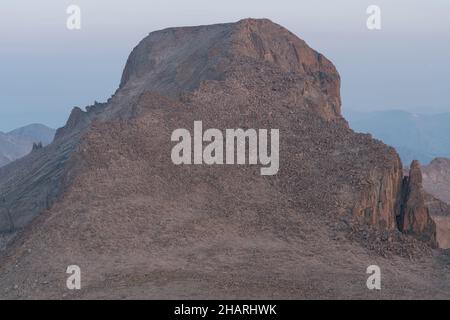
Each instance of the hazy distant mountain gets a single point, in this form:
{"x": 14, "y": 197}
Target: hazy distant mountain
{"x": 36, "y": 133}
{"x": 415, "y": 136}
{"x": 19, "y": 142}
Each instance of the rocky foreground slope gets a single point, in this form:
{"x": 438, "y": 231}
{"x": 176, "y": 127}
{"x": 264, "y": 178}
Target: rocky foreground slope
{"x": 106, "y": 196}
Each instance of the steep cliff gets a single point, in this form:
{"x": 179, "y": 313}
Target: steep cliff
{"x": 414, "y": 216}
{"x": 380, "y": 200}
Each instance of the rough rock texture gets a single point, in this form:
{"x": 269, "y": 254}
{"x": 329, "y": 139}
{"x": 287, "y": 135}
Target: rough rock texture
{"x": 437, "y": 207}
{"x": 155, "y": 66}
{"x": 436, "y": 182}
{"x": 442, "y": 231}
{"x": 141, "y": 227}
{"x": 415, "y": 218}
{"x": 436, "y": 179}
{"x": 380, "y": 202}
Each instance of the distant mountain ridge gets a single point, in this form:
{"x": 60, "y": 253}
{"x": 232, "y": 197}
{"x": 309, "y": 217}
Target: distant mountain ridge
{"x": 19, "y": 142}
{"x": 414, "y": 136}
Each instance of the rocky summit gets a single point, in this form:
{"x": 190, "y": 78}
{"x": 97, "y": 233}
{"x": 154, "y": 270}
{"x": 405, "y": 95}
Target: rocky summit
{"x": 105, "y": 195}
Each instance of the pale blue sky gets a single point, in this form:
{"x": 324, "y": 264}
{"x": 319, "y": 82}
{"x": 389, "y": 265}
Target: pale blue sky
{"x": 46, "y": 69}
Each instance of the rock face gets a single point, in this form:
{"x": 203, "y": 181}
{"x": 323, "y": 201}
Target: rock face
{"x": 436, "y": 206}
{"x": 436, "y": 182}
{"x": 380, "y": 202}
{"x": 108, "y": 197}
{"x": 415, "y": 218}
{"x": 436, "y": 178}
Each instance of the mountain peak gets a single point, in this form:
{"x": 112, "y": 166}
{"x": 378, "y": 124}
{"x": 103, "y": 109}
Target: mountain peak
{"x": 175, "y": 60}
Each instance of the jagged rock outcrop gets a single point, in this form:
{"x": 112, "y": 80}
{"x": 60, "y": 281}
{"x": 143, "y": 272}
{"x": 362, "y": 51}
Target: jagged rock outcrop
{"x": 157, "y": 230}
{"x": 379, "y": 201}
{"x": 414, "y": 216}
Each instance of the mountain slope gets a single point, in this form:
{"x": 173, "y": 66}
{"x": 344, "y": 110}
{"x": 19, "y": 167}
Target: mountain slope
{"x": 141, "y": 227}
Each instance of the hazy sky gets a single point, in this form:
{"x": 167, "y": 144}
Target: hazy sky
{"x": 46, "y": 69}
